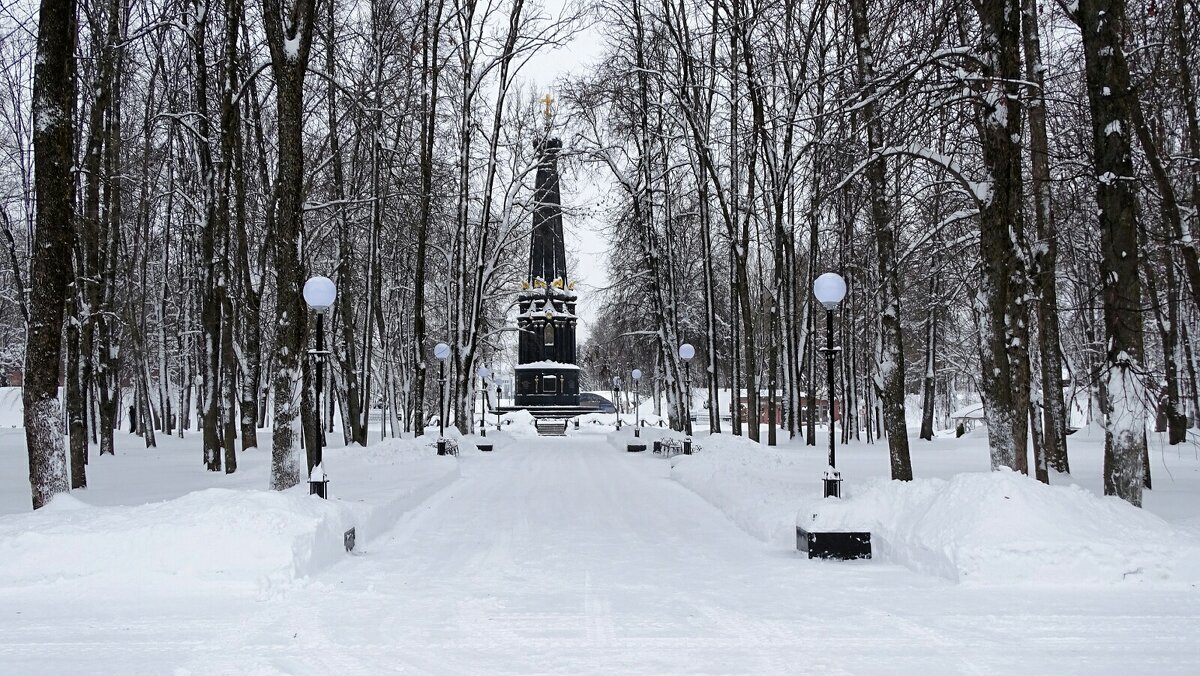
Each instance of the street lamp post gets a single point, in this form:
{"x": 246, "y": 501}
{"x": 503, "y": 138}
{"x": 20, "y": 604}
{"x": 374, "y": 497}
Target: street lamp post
{"x": 441, "y": 352}
{"x": 637, "y": 414}
{"x": 830, "y": 289}
{"x": 686, "y": 352}
{"x": 498, "y": 407}
{"x": 617, "y": 399}
{"x": 483, "y": 376}
{"x": 319, "y": 293}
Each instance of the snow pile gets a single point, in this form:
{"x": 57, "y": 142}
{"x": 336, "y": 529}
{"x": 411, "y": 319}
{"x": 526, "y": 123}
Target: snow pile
{"x": 219, "y": 537}
{"x": 977, "y": 528}
{"x": 211, "y": 537}
{"x": 1003, "y": 527}
{"x": 756, "y": 486}
{"x": 608, "y": 419}
{"x": 518, "y": 423}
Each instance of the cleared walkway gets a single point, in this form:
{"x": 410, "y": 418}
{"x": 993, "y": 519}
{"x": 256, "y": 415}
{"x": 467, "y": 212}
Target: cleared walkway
{"x": 568, "y": 556}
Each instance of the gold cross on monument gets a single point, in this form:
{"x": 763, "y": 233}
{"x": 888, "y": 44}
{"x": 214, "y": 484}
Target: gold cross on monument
{"x": 548, "y": 100}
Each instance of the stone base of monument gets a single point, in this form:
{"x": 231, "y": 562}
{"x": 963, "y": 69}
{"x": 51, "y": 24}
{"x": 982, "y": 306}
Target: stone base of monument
{"x": 635, "y": 448}
{"x": 842, "y": 545}
{"x": 486, "y": 448}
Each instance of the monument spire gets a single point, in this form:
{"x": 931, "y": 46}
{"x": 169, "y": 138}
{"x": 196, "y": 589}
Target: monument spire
{"x": 547, "y": 376}
{"x": 547, "y": 251}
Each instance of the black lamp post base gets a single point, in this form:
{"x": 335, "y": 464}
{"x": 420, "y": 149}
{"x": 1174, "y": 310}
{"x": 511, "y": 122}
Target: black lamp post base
{"x": 441, "y": 445}
{"x": 832, "y": 484}
{"x": 319, "y": 488}
{"x": 841, "y": 545}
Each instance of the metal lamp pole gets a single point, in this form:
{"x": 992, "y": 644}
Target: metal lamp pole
{"x": 686, "y": 352}
{"x": 483, "y": 376}
{"x": 830, "y": 289}
{"x": 498, "y": 407}
{"x": 442, "y": 352}
{"x": 617, "y": 399}
{"x": 637, "y": 400}
{"x": 319, "y": 293}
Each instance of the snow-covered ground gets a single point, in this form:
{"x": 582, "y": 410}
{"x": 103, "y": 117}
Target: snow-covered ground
{"x": 572, "y": 555}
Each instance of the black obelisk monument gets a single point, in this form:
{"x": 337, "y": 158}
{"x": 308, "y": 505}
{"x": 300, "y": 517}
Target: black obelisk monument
{"x": 546, "y": 374}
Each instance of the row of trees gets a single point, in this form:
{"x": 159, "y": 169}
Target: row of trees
{"x": 1012, "y": 213}
{"x": 195, "y": 161}
{"x": 1006, "y": 209}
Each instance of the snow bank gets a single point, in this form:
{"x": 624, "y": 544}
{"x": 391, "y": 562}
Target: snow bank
{"x": 215, "y": 536}
{"x": 1003, "y": 527}
{"x": 976, "y": 528}
{"x": 753, "y": 485}
{"x": 519, "y": 423}
{"x": 219, "y": 537}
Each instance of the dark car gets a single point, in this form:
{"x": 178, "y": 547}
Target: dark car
{"x": 593, "y": 400}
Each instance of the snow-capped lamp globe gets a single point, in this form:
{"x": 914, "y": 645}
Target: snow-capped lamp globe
{"x": 637, "y": 401}
{"x": 319, "y": 293}
{"x": 484, "y": 373}
{"x": 441, "y": 352}
{"x": 830, "y": 289}
{"x": 686, "y": 353}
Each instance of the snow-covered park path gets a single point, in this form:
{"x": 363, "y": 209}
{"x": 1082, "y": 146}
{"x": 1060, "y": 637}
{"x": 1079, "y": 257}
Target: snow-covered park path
{"x": 569, "y": 556}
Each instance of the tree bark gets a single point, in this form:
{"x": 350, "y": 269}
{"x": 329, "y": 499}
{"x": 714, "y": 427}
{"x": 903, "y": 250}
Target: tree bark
{"x": 1045, "y": 255}
{"x": 1103, "y": 24}
{"x": 890, "y": 383}
{"x": 289, "y": 36}
{"x": 1000, "y": 305}
{"x": 53, "y": 157}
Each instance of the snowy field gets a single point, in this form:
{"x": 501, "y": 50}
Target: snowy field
{"x": 570, "y": 555}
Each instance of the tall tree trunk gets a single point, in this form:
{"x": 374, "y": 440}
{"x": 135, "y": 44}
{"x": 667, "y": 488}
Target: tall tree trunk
{"x": 352, "y": 418}
{"x": 76, "y": 408}
{"x": 929, "y": 384}
{"x": 210, "y": 229}
{"x": 1103, "y": 25}
{"x": 289, "y": 36}
{"x": 1045, "y": 258}
{"x": 891, "y": 341}
{"x": 53, "y": 158}
{"x": 1000, "y": 304}
{"x": 430, "y": 72}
